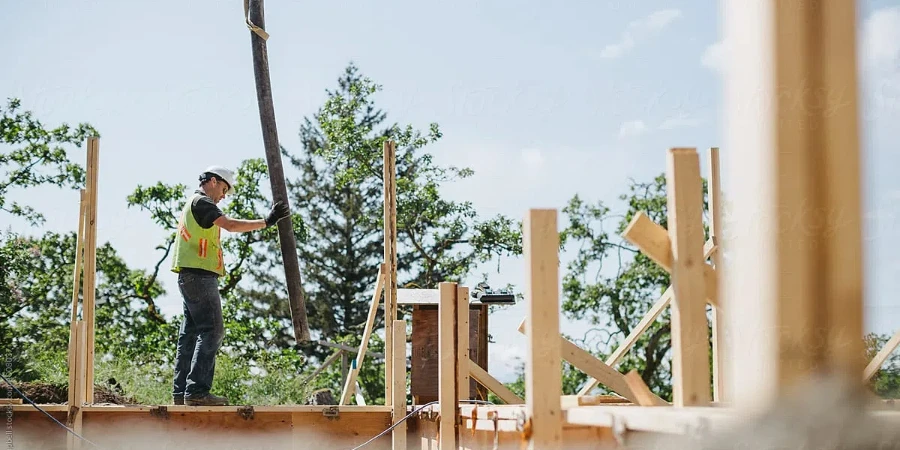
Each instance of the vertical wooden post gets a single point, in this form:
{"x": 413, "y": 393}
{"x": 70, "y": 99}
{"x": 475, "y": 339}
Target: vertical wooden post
{"x": 795, "y": 305}
{"x": 448, "y": 380}
{"x": 80, "y": 394}
{"x": 690, "y": 332}
{"x": 390, "y": 258}
{"x": 76, "y": 290}
{"x": 543, "y": 366}
{"x": 90, "y": 262}
{"x": 719, "y": 336}
{"x": 462, "y": 347}
{"x": 399, "y": 390}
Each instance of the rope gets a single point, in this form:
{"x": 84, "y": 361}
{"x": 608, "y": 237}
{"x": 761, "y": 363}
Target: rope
{"x": 45, "y": 412}
{"x": 259, "y": 31}
{"x": 480, "y": 402}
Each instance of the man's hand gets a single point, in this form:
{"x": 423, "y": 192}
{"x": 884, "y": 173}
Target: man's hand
{"x": 279, "y": 211}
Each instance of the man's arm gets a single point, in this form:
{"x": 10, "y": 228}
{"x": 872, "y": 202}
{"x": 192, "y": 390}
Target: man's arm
{"x": 279, "y": 211}
{"x": 239, "y": 225}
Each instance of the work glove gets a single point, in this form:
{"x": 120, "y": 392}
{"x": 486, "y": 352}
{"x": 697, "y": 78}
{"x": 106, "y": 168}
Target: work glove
{"x": 279, "y": 211}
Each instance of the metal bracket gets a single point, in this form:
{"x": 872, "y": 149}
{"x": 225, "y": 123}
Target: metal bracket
{"x": 246, "y": 412}
{"x": 160, "y": 411}
{"x": 331, "y": 413}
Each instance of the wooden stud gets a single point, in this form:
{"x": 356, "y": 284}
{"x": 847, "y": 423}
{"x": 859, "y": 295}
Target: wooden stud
{"x": 719, "y": 343}
{"x": 462, "y": 348}
{"x": 350, "y": 383}
{"x": 448, "y": 389}
{"x": 390, "y": 258}
{"x": 644, "y": 396}
{"x": 880, "y": 357}
{"x": 690, "y": 340}
{"x": 76, "y": 291}
{"x": 399, "y": 389}
{"x": 90, "y": 263}
{"x": 543, "y": 365}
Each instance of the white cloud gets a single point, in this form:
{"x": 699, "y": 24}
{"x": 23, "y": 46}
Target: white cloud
{"x": 655, "y": 22}
{"x": 532, "y": 158}
{"x": 881, "y": 39}
{"x": 714, "y": 57}
{"x": 680, "y": 121}
{"x": 632, "y": 128}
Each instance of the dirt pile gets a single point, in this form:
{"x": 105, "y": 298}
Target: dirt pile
{"x": 47, "y": 393}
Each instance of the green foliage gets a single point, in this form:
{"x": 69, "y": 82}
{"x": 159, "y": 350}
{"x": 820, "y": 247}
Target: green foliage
{"x": 39, "y": 157}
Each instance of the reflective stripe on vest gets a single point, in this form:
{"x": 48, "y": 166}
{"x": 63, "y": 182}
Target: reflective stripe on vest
{"x": 195, "y": 244}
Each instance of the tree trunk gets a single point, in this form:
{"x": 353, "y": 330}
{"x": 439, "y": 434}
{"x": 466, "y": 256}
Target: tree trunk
{"x": 276, "y": 173}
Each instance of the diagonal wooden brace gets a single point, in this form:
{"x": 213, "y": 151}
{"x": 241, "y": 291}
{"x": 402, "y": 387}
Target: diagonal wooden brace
{"x": 589, "y": 364}
{"x": 653, "y": 240}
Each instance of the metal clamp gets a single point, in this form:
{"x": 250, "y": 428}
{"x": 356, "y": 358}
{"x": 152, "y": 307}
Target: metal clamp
{"x": 331, "y": 413}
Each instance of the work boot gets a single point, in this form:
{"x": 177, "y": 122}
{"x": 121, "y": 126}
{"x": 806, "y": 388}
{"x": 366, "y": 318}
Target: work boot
{"x": 207, "y": 400}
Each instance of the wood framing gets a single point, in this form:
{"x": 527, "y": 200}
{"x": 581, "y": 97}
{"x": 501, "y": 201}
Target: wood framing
{"x": 792, "y": 107}
{"x": 690, "y": 340}
{"x": 398, "y": 403}
{"x": 76, "y": 291}
{"x": 543, "y": 374}
{"x": 462, "y": 341}
{"x": 880, "y": 357}
{"x": 448, "y": 376}
{"x": 90, "y": 262}
{"x": 390, "y": 259}
{"x": 491, "y": 383}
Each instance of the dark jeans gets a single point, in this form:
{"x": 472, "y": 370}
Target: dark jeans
{"x": 201, "y": 335}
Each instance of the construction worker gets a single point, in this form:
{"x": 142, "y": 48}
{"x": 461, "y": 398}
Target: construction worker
{"x": 199, "y": 264}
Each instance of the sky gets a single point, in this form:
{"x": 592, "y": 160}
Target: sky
{"x": 543, "y": 101}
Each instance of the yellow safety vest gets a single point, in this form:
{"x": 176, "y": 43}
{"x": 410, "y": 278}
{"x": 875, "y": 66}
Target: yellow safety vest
{"x": 196, "y": 246}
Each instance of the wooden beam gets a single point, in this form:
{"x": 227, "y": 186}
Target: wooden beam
{"x": 717, "y": 323}
{"x": 390, "y": 259}
{"x": 690, "y": 340}
{"x": 90, "y": 263}
{"x": 654, "y": 241}
{"x": 643, "y": 394}
{"x": 448, "y": 378}
{"x": 462, "y": 348}
{"x": 399, "y": 390}
{"x": 882, "y": 355}
{"x": 491, "y": 384}
{"x": 795, "y": 305}
{"x": 350, "y": 383}
{"x": 543, "y": 365}
{"x": 76, "y": 291}
{"x": 597, "y": 369}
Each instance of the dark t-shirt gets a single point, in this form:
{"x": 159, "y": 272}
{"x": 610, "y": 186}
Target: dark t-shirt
{"x": 205, "y": 212}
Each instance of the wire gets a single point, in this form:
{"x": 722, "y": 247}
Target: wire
{"x": 45, "y": 412}
{"x": 480, "y": 402}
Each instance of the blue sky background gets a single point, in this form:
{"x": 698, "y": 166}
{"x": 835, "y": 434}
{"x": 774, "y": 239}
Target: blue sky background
{"x": 543, "y": 101}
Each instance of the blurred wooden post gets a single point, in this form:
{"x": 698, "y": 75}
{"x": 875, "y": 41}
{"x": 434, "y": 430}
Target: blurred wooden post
{"x": 719, "y": 335}
{"x": 795, "y": 307}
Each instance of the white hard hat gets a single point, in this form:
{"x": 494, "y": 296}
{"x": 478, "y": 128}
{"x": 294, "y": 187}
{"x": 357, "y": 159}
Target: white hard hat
{"x": 222, "y": 172}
